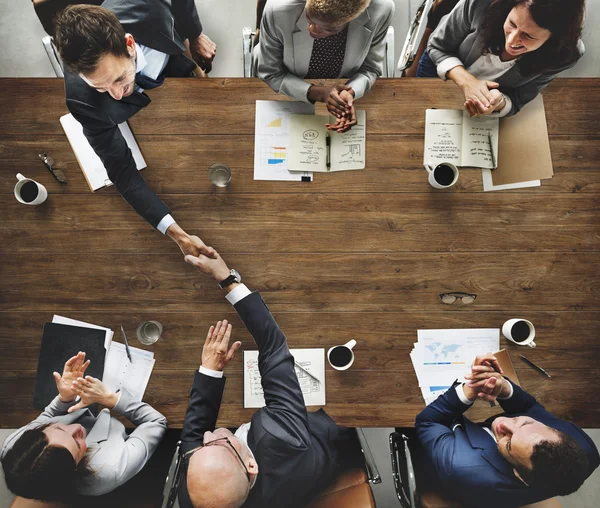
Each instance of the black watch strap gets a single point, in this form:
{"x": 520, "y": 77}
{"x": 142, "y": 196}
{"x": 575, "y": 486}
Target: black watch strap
{"x": 233, "y": 277}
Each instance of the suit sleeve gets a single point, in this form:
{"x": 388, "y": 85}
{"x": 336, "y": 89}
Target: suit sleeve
{"x": 372, "y": 67}
{"x": 276, "y": 364}
{"x": 143, "y": 441}
{"x": 186, "y": 18}
{"x": 271, "y": 68}
{"x": 447, "y": 37}
{"x": 434, "y": 430}
{"x": 107, "y": 141}
{"x": 202, "y": 410}
{"x": 55, "y": 408}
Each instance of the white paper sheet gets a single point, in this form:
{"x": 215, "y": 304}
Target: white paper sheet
{"x": 488, "y": 183}
{"x": 61, "y": 320}
{"x": 442, "y": 356}
{"x": 311, "y": 360}
{"x": 119, "y": 372}
{"x": 271, "y": 140}
{"x": 91, "y": 165}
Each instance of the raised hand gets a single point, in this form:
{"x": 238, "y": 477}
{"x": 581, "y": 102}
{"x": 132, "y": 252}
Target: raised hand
{"x": 73, "y": 369}
{"x": 216, "y": 353}
{"x": 92, "y": 391}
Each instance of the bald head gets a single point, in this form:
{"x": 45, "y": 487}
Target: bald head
{"x": 216, "y": 479}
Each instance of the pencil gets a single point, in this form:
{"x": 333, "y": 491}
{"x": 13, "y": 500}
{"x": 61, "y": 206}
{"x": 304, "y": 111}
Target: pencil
{"x": 535, "y": 366}
{"x": 126, "y": 345}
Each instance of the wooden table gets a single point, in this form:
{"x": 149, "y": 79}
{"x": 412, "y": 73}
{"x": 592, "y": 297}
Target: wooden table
{"x": 355, "y": 255}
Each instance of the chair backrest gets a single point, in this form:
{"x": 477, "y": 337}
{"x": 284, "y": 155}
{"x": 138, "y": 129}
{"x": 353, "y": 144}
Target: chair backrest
{"x": 403, "y": 471}
{"x": 46, "y": 10}
{"x": 414, "y": 36}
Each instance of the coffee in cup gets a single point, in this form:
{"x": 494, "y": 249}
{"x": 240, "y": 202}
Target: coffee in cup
{"x": 29, "y": 192}
{"x": 443, "y": 175}
{"x": 519, "y": 331}
{"x": 341, "y": 357}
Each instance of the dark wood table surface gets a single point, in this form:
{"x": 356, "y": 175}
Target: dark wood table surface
{"x": 354, "y": 255}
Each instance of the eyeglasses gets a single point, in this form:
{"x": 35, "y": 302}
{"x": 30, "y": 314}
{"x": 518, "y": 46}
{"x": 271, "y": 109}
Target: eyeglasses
{"x": 450, "y": 298}
{"x": 56, "y": 173}
{"x": 184, "y": 458}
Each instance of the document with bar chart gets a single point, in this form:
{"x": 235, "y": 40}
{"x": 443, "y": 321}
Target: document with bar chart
{"x": 271, "y": 140}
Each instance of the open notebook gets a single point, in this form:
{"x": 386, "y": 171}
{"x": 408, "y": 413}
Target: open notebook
{"x": 91, "y": 165}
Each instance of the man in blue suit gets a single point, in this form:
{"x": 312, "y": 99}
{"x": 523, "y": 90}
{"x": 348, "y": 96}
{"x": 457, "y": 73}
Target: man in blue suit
{"x": 524, "y": 456}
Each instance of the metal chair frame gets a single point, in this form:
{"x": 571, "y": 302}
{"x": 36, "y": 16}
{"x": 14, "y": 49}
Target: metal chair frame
{"x": 414, "y": 36}
{"x": 406, "y": 486}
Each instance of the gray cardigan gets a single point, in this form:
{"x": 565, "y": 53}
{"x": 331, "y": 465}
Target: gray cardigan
{"x": 457, "y": 37}
{"x": 285, "y": 47}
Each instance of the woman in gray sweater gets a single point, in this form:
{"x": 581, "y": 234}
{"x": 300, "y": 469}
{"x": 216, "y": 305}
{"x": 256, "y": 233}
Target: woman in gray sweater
{"x": 502, "y": 53}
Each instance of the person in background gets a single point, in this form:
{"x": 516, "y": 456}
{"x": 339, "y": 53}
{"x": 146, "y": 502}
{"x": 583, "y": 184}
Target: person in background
{"x": 112, "y": 54}
{"x": 502, "y": 53}
{"x": 523, "y": 456}
{"x": 285, "y": 455}
{"x": 68, "y": 451}
{"x": 324, "y": 39}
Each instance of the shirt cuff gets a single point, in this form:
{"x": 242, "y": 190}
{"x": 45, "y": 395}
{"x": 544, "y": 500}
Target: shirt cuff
{"x": 210, "y": 372}
{"x": 237, "y": 294}
{"x": 166, "y": 222}
{"x": 506, "y": 109}
{"x": 461, "y": 395}
{"x": 118, "y": 399}
{"x": 512, "y": 390}
{"x": 447, "y": 65}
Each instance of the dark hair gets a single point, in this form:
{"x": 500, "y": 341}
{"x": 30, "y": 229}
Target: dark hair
{"x": 36, "y": 470}
{"x": 85, "y": 33}
{"x": 563, "y": 18}
{"x": 559, "y": 467}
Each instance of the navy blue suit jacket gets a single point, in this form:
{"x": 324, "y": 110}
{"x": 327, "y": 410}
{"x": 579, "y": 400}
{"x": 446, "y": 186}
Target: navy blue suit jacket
{"x": 467, "y": 460}
{"x": 298, "y": 453}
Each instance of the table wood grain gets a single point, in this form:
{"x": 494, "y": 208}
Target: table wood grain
{"x": 355, "y": 255}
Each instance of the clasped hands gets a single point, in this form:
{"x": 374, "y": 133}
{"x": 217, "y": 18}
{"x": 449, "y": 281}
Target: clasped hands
{"x": 482, "y": 97}
{"x": 72, "y": 384}
{"x": 485, "y": 380}
{"x": 339, "y": 100}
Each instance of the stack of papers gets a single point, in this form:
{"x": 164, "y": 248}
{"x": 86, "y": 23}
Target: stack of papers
{"x": 442, "y": 356}
{"x": 119, "y": 372}
{"x": 310, "y": 370}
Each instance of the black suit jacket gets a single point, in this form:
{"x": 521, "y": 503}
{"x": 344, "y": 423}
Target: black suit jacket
{"x": 298, "y": 453}
{"x": 159, "y": 24}
{"x": 467, "y": 460}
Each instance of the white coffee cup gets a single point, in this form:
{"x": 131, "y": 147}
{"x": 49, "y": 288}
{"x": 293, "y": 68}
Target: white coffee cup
{"x": 431, "y": 169}
{"x": 344, "y": 350}
{"x": 507, "y": 332}
{"x": 42, "y": 193}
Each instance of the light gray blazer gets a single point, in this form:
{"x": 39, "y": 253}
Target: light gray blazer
{"x": 114, "y": 456}
{"x": 285, "y": 47}
{"x": 457, "y": 36}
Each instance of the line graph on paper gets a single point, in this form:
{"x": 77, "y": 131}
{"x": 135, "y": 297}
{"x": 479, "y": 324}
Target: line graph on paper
{"x": 273, "y": 155}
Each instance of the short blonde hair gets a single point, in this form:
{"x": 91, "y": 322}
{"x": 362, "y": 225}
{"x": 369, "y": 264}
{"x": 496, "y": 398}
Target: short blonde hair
{"x": 336, "y": 11}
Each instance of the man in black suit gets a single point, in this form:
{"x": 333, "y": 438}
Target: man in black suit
{"x": 521, "y": 457}
{"x": 285, "y": 455}
{"x": 112, "y": 54}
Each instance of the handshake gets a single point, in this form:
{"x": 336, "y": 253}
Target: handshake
{"x": 485, "y": 380}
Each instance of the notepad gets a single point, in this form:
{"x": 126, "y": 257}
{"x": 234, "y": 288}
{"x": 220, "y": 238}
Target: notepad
{"x": 74, "y": 322}
{"x": 315, "y": 148}
{"x": 133, "y": 376}
{"x": 91, "y": 165}
{"x": 453, "y": 136}
{"x": 311, "y": 360}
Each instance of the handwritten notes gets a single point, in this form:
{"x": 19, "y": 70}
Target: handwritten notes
{"x": 314, "y": 148}
{"x": 453, "y": 136}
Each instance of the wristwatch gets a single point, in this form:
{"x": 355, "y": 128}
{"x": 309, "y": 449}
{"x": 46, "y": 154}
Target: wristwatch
{"x": 234, "y": 276}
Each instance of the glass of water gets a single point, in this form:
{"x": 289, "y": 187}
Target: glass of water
{"x": 219, "y": 174}
{"x": 149, "y": 332}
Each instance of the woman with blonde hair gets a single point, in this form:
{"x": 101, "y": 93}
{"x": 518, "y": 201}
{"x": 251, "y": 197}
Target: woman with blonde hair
{"x": 324, "y": 39}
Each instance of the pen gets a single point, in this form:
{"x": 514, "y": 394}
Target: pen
{"x": 126, "y": 345}
{"x": 492, "y": 151}
{"x": 535, "y": 366}
{"x": 304, "y": 370}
